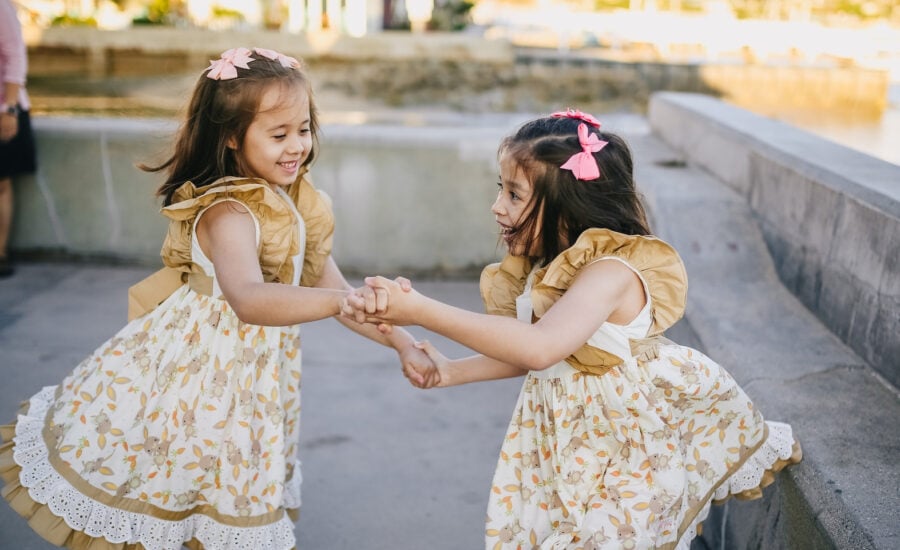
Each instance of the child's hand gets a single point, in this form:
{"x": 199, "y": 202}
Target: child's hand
{"x": 418, "y": 367}
{"x": 441, "y": 364}
{"x": 367, "y": 303}
{"x": 397, "y": 296}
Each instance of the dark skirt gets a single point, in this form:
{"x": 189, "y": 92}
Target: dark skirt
{"x": 17, "y": 156}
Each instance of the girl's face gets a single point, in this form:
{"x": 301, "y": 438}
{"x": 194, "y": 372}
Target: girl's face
{"x": 279, "y": 139}
{"x": 512, "y": 205}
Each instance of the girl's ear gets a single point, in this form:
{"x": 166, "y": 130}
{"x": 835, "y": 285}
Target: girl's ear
{"x": 231, "y": 143}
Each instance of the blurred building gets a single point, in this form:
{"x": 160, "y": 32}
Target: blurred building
{"x": 359, "y": 17}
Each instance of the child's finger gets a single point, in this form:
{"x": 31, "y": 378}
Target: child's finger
{"x": 430, "y": 351}
{"x": 413, "y": 375}
{"x": 377, "y": 281}
{"x": 381, "y": 300}
{"x": 385, "y": 328}
{"x": 433, "y": 378}
{"x": 352, "y": 301}
{"x": 346, "y": 309}
{"x": 370, "y": 299}
{"x": 405, "y": 284}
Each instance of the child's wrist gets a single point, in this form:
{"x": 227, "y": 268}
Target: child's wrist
{"x": 401, "y": 340}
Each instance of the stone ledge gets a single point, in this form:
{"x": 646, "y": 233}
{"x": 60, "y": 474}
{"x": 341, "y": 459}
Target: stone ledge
{"x": 843, "y": 495}
{"x": 830, "y": 215}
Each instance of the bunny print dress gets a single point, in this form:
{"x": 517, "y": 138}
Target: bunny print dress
{"x": 181, "y": 429}
{"x": 627, "y": 442}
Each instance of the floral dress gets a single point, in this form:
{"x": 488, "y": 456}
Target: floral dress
{"x": 183, "y": 427}
{"x": 626, "y": 443}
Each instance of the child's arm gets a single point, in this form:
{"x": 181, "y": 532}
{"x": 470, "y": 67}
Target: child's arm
{"x": 477, "y": 368}
{"x": 227, "y": 234}
{"x": 604, "y": 290}
{"x": 417, "y": 367}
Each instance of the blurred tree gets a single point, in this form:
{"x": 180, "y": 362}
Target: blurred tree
{"x": 451, "y": 15}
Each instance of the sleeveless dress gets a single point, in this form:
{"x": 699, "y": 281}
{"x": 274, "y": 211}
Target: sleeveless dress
{"x": 629, "y": 455}
{"x": 183, "y": 427}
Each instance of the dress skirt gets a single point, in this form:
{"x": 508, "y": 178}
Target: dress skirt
{"x": 631, "y": 458}
{"x": 181, "y": 429}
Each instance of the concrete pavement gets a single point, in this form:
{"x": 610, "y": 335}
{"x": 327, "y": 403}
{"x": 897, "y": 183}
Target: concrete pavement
{"x": 385, "y": 466}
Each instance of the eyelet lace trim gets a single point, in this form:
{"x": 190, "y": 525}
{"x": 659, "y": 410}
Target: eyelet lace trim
{"x": 778, "y": 446}
{"x": 45, "y": 486}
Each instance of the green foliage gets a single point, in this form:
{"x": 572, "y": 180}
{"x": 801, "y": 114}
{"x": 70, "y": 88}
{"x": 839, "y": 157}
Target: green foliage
{"x": 158, "y": 13}
{"x": 606, "y": 5}
{"x": 72, "y": 21}
{"x": 868, "y": 9}
{"x": 220, "y": 12}
{"x": 451, "y": 15}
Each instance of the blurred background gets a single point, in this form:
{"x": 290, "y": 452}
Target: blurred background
{"x": 828, "y": 66}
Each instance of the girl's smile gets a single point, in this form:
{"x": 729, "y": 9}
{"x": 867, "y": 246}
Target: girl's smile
{"x": 279, "y": 138}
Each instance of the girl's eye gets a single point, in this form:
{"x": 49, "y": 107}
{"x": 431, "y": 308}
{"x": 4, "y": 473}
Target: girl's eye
{"x": 279, "y": 136}
{"x": 304, "y": 131}
{"x": 512, "y": 194}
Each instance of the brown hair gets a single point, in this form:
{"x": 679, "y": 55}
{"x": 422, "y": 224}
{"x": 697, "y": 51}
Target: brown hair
{"x": 221, "y": 110}
{"x": 567, "y": 206}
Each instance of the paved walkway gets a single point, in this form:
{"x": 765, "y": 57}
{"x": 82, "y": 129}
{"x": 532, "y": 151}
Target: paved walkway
{"x": 384, "y": 464}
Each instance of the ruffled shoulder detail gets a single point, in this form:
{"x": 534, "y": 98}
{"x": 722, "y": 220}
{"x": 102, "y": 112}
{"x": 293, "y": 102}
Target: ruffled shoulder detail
{"x": 657, "y": 262}
{"x": 278, "y": 235}
{"x": 501, "y": 283}
{"x": 315, "y": 207}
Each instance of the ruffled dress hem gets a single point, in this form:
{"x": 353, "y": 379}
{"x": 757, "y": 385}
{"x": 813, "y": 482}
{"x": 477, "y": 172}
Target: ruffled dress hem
{"x": 63, "y": 516}
{"x": 777, "y": 451}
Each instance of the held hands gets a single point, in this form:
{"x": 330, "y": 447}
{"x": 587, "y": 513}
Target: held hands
{"x": 420, "y": 367}
{"x": 369, "y": 304}
{"x": 422, "y": 363}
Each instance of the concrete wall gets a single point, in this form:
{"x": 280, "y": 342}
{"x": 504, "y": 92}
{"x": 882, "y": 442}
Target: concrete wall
{"x": 830, "y": 215}
{"x": 407, "y": 198}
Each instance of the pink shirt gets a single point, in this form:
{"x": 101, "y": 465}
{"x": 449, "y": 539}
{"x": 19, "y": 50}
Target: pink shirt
{"x": 13, "y": 55}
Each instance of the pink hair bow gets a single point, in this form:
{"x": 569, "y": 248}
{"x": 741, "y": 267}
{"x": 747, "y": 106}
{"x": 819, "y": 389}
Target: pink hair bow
{"x": 286, "y": 61}
{"x": 574, "y": 113}
{"x": 583, "y": 165}
{"x": 225, "y": 68}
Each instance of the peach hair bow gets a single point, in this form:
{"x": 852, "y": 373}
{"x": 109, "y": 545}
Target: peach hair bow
{"x": 583, "y": 165}
{"x": 286, "y": 61}
{"x": 575, "y": 113}
{"x": 225, "y": 68}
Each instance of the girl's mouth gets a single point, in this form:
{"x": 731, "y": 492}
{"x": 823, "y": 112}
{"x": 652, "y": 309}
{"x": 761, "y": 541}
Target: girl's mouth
{"x": 506, "y": 232}
{"x": 290, "y": 166}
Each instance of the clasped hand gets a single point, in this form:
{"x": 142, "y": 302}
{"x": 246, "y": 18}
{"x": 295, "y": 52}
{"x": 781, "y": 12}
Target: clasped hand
{"x": 369, "y": 303}
{"x": 386, "y": 303}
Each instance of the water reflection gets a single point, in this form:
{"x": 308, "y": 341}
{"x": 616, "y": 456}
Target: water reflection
{"x": 876, "y": 134}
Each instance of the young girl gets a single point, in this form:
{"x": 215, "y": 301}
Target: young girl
{"x": 182, "y": 429}
{"x": 620, "y": 438}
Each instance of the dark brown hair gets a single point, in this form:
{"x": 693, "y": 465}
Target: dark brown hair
{"x": 220, "y": 110}
{"x": 567, "y": 206}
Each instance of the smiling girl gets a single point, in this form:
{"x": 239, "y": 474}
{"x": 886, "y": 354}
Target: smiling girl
{"x": 182, "y": 429}
{"x": 621, "y": 439}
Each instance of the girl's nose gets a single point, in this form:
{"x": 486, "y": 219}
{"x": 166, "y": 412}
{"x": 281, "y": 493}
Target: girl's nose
{"x": 497, "y": 208}
{"x": 295, "y": 145}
